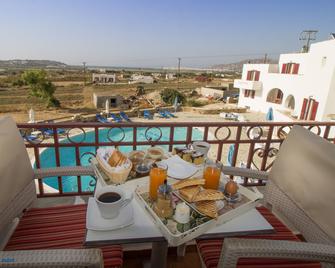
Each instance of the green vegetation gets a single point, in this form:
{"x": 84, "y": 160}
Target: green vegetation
{"x": 196, "y": 103}
{"x": 140, "y": 90}
{"x": 41, "y": 87}
{"x": 168, "y": 95}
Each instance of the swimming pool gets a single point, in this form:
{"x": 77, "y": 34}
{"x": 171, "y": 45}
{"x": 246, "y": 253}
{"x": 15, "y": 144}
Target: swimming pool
{"x": 67, "y": 154}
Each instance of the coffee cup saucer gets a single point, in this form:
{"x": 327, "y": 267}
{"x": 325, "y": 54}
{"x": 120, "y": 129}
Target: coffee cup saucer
{"x": 95, "y": 222}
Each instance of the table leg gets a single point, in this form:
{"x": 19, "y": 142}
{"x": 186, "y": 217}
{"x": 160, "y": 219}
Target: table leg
{"x": 159, "y": 254}
{"x": 181, "y": 250}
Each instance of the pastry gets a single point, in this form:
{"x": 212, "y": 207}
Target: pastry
{"x": 178, "y": 151}
{"x": 186, "y": 155}
{"x": 197, "y": 158}
{"x": 208, "y": 208}
{"x": 188, "y": 193}
{"x": 187, "y": 182}
{"x": 208, "y": 194}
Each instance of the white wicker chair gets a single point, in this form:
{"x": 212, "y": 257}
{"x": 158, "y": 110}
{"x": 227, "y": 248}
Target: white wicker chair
{"x": 301, "y": 190}
{"x": 17, "y": 193}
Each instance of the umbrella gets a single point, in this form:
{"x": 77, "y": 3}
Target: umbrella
{"x": 107, "y": 105}
{"x": 269, "y": 114}
{"x": 230, "y": 154}
{"x": 31, "y": 116}
{"x": 175, "y": 104}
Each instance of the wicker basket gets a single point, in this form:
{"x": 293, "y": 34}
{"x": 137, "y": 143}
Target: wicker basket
{"x": 116, "y": 176}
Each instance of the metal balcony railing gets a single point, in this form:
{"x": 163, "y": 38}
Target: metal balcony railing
{"x": 255, "y": 144}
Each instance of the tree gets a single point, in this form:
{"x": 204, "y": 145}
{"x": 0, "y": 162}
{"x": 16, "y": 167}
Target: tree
{"x": 168, "y": 95}
{"x": 40, "y": 86}
{"x": 140, "y": 91}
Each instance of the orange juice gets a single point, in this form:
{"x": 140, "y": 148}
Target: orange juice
{"x": 212, "y": 177}
{"x": 157, "y": 177}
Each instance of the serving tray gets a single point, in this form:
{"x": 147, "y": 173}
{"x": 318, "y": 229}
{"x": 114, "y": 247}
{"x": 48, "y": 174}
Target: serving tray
{"x": 176, "y": 233}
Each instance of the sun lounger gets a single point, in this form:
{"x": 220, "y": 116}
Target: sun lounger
{"x": 50, "y": 132}
{"x": 101, "y": 119}
{"x": 163, "y": 115}
{"x": 124, "y": 116}
{"x": 167, "y": 112}
{"x": 28, "y": 137}
{"x": 229, "y": 116}
{"x": 116, "y": 118}
{"x": 147, "y": 115}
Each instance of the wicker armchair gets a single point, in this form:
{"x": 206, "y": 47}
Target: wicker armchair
{"x": 300, "y": 190}
{"x": 17, "y": 194}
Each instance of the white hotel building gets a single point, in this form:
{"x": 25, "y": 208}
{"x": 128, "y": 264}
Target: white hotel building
{"x": 302, "y": 84}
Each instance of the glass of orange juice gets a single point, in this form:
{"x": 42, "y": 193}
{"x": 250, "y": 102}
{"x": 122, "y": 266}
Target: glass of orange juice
{"x": 212, "y": 174}
{"x": 157, "y": 176}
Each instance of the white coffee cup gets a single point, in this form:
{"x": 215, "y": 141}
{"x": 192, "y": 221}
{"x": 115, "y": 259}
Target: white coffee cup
{"x": 110, "y": 210}
{"x": 201, "y": 146}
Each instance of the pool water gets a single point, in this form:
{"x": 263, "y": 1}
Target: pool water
{"x": 68, "y": 158}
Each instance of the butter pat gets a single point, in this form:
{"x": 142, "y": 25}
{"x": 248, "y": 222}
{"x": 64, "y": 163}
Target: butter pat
{"x": 182, "y": 214}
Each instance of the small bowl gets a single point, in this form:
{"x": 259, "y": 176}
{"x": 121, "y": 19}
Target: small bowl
{"x": 143, "y": 169}
{"x": 155, "y": 153}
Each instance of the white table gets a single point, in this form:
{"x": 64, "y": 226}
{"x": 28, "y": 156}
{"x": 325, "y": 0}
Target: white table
{"x": 144, "y": 230}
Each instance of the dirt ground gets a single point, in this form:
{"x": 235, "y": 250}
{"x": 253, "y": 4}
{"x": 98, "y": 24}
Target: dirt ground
{"x": 74, "y": 97}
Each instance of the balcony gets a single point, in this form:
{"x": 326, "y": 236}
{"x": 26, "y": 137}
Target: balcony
{"x": 256, "y": 144}
{"x": 247, "y": 84}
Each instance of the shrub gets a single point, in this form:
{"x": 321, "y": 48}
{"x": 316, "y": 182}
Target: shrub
{"x": 196, "y": 103}
{"x": 40, "y": 86}
{"x": 168, "y": 95}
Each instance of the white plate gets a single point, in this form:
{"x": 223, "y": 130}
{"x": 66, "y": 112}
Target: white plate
{"x": 95, "y": 222}
{"x": 180, "y": 169}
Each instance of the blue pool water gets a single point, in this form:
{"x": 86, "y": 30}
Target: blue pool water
{"x": 67, "y": 154}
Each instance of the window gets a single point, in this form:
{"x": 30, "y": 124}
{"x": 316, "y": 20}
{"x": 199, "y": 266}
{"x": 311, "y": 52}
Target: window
{"x": 275, "y": 95}
{"x": 253, "y": 75}
{"x": 290, "y": 68}
{"x": 249, "y": 93}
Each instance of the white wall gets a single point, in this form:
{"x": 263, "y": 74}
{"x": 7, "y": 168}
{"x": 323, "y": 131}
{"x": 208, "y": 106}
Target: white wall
{"x": 316, "y": 78}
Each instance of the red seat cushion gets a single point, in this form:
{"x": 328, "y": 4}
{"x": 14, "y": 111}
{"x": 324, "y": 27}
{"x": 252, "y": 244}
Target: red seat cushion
{"x": 210, "y": 250}
{"x": 58, "y": 228}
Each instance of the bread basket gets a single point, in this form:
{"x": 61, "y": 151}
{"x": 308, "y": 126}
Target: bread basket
{"x": 116, "y": 175}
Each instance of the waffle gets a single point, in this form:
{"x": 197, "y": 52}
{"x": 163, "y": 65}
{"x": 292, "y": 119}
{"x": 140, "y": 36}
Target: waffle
{"x": 208, "y": 208}
{"x": 188, "y": 182}
{"x": 207, "y": 195}
{"x": 188, "y": 193}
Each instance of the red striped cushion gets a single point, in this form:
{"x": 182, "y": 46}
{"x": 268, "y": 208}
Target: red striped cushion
{"x": 58, "y": 228}
{"x": 210, "y": 250}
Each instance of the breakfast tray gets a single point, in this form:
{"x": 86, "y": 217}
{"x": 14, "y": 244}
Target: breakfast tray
{"x": 177, "y": 234}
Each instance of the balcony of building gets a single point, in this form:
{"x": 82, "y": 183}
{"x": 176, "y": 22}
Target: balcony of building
{"x": 247, "y": 84}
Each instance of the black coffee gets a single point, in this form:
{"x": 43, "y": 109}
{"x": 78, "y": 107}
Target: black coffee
{"x": 110, "y": 197}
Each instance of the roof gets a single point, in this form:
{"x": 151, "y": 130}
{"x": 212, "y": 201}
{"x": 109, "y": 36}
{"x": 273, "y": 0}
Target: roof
{"x": 106, "y": 94}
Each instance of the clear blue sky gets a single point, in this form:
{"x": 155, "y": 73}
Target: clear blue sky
{"x": 155, "y": 33}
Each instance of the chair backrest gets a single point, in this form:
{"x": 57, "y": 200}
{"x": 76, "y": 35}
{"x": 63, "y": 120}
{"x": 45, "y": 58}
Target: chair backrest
{"x": 302, "y": 184}
{"x": 17, "y": 188}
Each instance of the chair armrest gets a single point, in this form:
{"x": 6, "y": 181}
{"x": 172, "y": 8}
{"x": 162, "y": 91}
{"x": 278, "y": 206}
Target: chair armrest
{"x": 235, "y": 248}
{"x": 90, "y": 258}
{"x": 245, "y": 172}
{"x": 63, "y": 171}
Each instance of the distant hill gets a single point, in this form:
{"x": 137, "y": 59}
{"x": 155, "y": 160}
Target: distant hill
{"x": 237, "y": 66}
{"x": 31, "y": 64}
